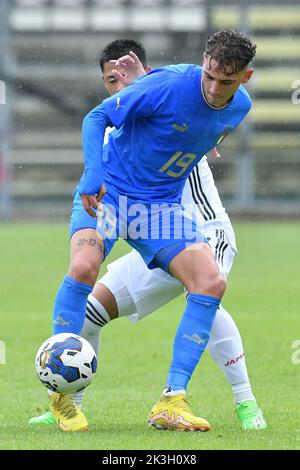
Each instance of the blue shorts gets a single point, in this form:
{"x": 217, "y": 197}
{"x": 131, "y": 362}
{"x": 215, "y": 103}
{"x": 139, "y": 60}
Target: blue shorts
{"x": 80, "y": 219}
{"x": 157, "y": 231}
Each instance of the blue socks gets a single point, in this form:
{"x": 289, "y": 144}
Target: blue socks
{"x": 69, "y": 306}
{"x": 191, "y": 338}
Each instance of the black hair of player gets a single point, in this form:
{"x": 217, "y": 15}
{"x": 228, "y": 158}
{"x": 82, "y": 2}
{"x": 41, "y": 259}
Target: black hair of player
{"x": 120, "y": 47}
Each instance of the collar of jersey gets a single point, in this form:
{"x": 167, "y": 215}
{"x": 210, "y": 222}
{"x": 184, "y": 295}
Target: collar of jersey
{"x": 212, "y": 107}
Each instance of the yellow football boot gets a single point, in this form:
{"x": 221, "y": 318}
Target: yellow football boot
{"x": 69, "y": 418}
{"x": 172, "y": 412}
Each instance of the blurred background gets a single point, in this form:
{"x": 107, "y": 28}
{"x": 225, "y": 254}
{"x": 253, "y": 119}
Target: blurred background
{"x": 50, "y": 78}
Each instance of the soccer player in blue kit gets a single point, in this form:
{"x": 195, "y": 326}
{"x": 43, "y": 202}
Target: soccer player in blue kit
{"x": 166, "y": 122}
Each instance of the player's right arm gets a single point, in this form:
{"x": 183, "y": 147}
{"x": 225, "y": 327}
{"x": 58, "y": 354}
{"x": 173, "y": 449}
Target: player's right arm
{"x": 133, "y": 102}
{"x": 148, "y": 97}
{"x": 93, "y": 130}
{"x": 91, "y": 184}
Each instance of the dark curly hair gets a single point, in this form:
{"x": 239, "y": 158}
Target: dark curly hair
{"x": 120, "y": 47}
{"x": 231, "y": 49}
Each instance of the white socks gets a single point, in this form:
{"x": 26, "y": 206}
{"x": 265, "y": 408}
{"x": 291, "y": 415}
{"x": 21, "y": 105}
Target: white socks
{"x": 96, "y": 317}
{"x": 226, "y": 348}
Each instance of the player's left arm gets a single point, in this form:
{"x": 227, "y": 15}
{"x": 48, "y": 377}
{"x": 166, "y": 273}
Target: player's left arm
{"x": 240, "y": 115}
{"x": 243, "y": 107}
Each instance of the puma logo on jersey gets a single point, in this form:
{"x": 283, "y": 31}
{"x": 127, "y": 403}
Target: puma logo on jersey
{"x": 178, "y": 128}
{"x": 118, "y": 104}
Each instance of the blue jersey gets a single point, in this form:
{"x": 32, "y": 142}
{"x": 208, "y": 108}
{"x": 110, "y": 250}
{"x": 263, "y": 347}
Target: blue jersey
{"x": 164, "y": 126}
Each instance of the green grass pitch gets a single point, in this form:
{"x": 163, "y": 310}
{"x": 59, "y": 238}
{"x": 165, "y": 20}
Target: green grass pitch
{"x": 262, "y": 295}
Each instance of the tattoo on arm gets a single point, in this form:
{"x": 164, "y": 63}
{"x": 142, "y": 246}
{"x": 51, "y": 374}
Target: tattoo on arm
{"x": 88, "y": 241}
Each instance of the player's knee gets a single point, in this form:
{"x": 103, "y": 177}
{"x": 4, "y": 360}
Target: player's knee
{"x": 214, "y": 286}
{"x": 84, "y": 270}
{"x": 219, "y": 286}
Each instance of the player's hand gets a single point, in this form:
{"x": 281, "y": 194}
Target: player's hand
{"x": 91, "y": 202}
{"x": 130, "y": 68}
{"x": 214, "y": 153}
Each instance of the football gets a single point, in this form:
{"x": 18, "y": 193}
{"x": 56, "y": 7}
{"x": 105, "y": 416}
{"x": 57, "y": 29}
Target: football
{"x": 66, "y": 363}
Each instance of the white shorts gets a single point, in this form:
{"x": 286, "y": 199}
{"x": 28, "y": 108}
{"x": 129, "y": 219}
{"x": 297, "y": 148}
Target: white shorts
{"x": 140, "y": 291}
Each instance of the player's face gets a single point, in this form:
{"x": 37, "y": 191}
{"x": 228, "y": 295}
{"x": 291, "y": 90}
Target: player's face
{"x": 111, "y": 83}
{"x": 218, "y": 88}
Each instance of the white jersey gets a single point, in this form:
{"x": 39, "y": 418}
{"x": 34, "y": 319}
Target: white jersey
{"x": 200, "y": 191}
{"x": 139, "y": 290}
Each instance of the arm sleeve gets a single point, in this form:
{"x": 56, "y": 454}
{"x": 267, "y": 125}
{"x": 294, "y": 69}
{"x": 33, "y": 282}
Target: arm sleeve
{"x": 93, "y": 130}
{"x": 142, "y": 99}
